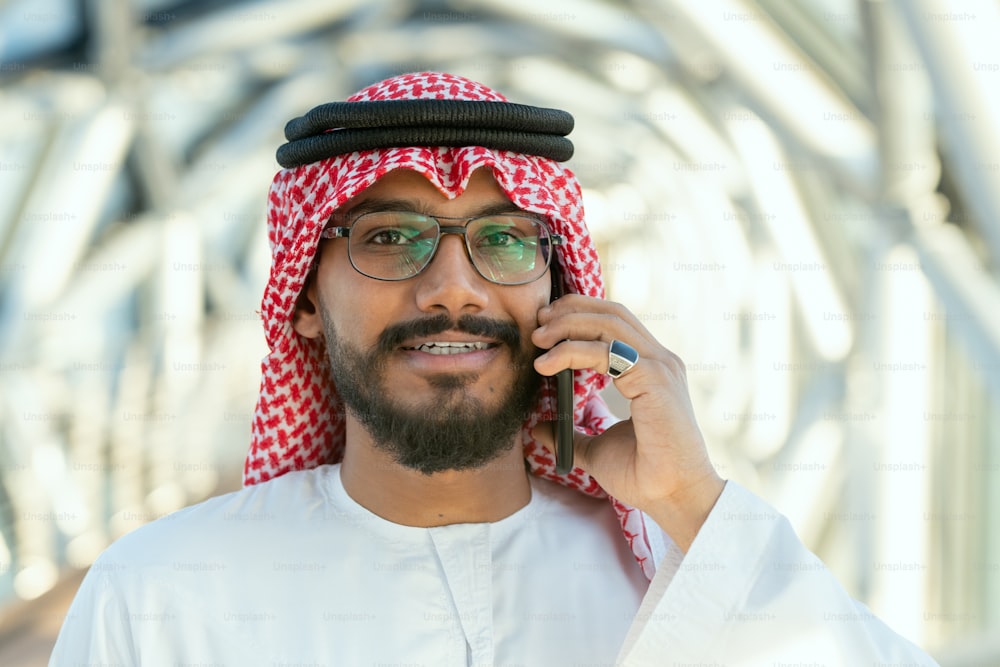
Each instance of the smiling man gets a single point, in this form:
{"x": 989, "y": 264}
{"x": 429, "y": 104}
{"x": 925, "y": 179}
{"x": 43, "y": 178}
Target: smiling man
{"x": 402, "y": 505}
{"x": 439, "y": 373}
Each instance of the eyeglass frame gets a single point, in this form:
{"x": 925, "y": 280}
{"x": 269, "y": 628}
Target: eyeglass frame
{"x": 344, "y": 232}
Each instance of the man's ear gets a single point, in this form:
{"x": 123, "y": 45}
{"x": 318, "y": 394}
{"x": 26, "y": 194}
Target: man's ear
{"x": 307, "y": 321}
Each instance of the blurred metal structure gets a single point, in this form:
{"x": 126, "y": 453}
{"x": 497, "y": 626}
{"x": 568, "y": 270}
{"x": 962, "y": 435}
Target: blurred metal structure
{"x": 799, "y": 198}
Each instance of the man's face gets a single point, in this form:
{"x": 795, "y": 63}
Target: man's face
{"x": 432, "y": 406}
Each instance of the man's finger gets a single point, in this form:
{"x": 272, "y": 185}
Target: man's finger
{"x": 575, "y": 354}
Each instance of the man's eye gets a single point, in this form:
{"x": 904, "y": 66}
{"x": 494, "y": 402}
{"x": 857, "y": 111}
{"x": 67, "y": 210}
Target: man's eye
{"x": 392, "y": 236}
{"x": 500, "y": 239}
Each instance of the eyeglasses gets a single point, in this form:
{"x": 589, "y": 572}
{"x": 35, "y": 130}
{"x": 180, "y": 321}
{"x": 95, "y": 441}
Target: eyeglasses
{"x": 507, "y": 249}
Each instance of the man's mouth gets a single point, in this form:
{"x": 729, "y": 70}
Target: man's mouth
{"x": 445, "y": 347}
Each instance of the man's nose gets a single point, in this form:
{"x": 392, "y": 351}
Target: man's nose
{"x": 450, "y": 282}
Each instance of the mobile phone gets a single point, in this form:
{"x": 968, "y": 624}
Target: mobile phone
{"x": 564, "y": 397}
{"x": 564, "y": 421}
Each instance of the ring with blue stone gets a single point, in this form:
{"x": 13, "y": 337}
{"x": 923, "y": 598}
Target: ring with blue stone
{"x": 622, "y": 358}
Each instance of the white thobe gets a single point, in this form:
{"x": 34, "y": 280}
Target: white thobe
{"x": 294, "y": 572}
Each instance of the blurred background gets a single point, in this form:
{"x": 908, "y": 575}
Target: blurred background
{"x": 800, "y": 198}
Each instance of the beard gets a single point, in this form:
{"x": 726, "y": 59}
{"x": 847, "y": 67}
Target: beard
{"x": 450, "y": 429}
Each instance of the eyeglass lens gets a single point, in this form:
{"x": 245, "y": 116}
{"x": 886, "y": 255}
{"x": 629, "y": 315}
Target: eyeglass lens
{"x": 505, "y": 249}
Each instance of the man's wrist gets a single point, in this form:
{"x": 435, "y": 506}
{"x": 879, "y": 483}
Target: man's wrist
{"x": 683, "y": 514}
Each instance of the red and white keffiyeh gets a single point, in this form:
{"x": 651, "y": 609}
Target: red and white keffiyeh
{"x": 298, "y": 423}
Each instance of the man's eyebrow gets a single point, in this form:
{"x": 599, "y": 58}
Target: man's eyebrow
{"x": 376, "y": 205}
{"x": 496, "y": 208}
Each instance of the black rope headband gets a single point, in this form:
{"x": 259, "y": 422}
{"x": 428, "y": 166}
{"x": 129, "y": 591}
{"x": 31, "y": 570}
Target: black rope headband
{"x": 338, "y": 128}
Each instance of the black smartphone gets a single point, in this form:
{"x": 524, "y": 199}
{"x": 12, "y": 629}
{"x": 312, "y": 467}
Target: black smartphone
{"x": 564, "y": 397}
{"x": 564, "y": 421}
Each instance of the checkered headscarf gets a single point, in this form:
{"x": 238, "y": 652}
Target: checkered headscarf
{"x": 299, "y": 422}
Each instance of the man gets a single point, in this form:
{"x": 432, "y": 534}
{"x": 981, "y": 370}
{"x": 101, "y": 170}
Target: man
{"x": 391, "y": 515}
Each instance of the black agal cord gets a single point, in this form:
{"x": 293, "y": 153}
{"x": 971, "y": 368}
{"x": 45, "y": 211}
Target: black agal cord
{"x": 344, "y": 127}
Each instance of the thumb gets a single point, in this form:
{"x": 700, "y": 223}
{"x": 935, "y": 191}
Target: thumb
{"x": 544, "y": 434}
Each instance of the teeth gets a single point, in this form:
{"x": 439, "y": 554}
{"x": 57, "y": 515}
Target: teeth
{"x": 451, "y": 348}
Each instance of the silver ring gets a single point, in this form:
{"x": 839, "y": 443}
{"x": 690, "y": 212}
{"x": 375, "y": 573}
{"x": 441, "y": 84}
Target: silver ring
{"x": 622, "y": 358}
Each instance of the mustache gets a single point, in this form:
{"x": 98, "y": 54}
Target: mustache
{"x": 395, "y": 334}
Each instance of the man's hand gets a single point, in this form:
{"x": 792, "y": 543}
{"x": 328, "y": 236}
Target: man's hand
{"x": 655, "y": 461}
